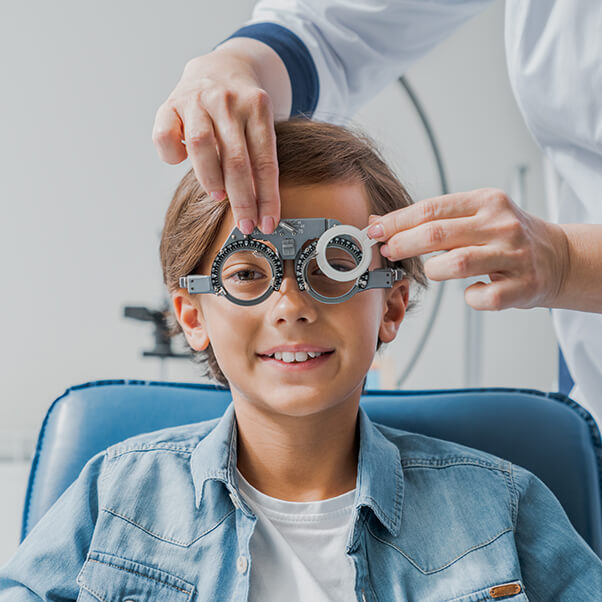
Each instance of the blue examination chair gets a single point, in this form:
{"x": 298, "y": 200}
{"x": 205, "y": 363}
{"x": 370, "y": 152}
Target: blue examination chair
{"x": 547, "y": 433}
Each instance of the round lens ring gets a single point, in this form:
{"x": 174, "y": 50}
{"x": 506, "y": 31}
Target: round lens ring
{"x": 345, "y": 230}
{"x": 321, "y": 292}
{"x": 343, "y": 256}
{"x": 239, "y": 271}
{"x": 246, "y": 274}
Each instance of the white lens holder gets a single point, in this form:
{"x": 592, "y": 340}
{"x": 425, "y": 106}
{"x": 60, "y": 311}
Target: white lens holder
{"x": 364, "y": 241}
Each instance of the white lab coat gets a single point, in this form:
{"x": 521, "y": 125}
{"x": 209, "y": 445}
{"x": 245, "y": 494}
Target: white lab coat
{"x": 554, "y": 55}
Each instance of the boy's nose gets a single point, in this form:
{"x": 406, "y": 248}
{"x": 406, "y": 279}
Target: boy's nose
{"x": 292, "y": 304}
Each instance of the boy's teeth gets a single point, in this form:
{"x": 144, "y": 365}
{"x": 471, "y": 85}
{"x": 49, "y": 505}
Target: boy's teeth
{"x": 297, "y": 356}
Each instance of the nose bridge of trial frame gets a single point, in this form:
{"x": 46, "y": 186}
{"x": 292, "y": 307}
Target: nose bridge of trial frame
{"x": 291, "y": 234}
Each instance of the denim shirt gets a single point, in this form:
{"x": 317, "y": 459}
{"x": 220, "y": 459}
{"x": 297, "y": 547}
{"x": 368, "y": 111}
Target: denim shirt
{"x": 159, "y": 517}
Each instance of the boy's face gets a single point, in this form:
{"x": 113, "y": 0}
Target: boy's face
{"x": 291, "y": 320}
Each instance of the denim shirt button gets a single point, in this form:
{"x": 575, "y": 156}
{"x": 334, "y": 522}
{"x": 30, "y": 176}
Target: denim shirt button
{"x": 241, "y": 564}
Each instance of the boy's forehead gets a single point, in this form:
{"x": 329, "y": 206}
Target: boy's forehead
{"x": 347, "y": 202}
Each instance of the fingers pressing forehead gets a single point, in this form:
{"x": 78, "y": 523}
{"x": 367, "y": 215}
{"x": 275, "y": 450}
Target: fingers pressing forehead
{"x": 261, "y": 141}
{"x": 236, "y": 169}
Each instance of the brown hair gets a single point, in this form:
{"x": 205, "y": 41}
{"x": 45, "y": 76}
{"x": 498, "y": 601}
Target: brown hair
{"x": 308, "y": 152}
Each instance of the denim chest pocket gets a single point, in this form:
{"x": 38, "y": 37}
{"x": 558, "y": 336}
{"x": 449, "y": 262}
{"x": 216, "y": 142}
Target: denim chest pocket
{"x": 108, "y": 578}
{"x": 461, "y": 512}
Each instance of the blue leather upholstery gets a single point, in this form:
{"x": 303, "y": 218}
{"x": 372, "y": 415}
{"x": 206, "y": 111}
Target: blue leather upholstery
{"x": 548, "y": 434}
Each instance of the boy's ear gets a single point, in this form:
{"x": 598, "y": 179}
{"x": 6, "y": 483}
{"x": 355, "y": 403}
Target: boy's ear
{"x": 396, "y": 301}
{"x": 190, "y": 318}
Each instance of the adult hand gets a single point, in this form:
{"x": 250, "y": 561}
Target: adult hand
{"x": 483, "y": 232}
{"x": 221, "y": 115}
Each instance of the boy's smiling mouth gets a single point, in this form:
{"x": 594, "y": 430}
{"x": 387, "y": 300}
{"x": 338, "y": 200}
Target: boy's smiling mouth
{"x": 296, "y": 356}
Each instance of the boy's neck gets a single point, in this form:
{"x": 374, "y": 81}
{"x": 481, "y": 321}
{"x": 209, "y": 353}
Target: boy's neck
{"x": 299, "y": 458}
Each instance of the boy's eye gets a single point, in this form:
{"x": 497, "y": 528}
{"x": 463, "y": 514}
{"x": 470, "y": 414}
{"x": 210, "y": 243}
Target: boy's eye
{"x": 241, "y": 274}
{"x": 245, "y": 275}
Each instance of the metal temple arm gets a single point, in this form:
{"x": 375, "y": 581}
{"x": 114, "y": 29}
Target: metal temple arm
{"x": 384, "y": 277}
{"x": 197, "y": 284}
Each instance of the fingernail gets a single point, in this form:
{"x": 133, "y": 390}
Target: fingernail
{"x": 219, "y": 195}
{"x": 375, "y": 231}
{"x": 246, "y": 226}
{"x": 267, "y": 225}
{"x": 384, "y": 251}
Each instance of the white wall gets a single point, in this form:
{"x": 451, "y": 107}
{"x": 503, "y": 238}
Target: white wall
{"x": 84, "y": 193}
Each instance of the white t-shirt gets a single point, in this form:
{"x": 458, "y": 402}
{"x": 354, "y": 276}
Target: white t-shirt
{"x": 298, "y": 548}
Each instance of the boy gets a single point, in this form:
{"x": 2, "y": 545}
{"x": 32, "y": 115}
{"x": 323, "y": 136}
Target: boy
{"x": 294, "y": 494}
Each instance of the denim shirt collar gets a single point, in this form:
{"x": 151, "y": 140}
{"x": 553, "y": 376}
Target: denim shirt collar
{"x": 214, "y": 458}
{"x": 379, "y": 475}
{"x": 380, "y": 482}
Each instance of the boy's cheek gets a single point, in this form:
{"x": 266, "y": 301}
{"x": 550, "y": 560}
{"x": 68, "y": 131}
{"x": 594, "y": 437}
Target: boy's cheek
{"x": 368, "y": 306}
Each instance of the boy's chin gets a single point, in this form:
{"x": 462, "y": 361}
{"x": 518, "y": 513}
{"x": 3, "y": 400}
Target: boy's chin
{"x": 301, "y": 401}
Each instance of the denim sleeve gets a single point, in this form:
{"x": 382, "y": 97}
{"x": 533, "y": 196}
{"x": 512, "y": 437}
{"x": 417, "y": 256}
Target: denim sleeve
{"x": 556, "y": 563}
{"x": 46, "y": 564}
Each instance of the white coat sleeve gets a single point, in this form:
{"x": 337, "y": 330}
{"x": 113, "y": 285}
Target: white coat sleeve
{"x": 353, "y": 48}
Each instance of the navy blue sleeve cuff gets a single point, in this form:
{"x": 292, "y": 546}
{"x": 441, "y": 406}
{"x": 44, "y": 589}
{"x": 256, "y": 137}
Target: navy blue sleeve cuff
{"x": 297, "y": 59}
